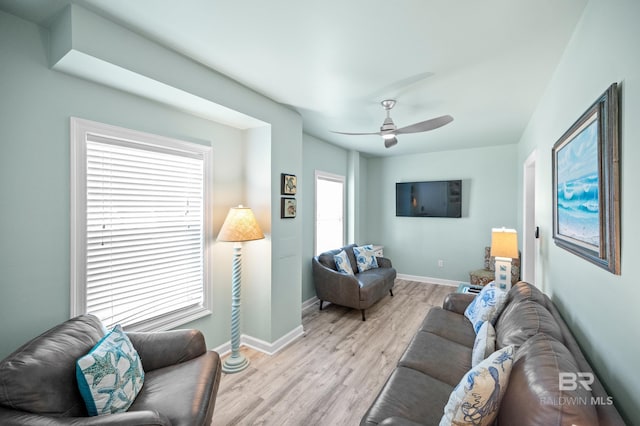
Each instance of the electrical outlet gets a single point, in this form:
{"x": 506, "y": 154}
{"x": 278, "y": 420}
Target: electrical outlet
{"x": 440, "y": 263}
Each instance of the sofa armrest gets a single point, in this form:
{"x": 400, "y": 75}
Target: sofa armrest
{"x": 384, "y": 262}
{"x": 457, "y": 302}
{"x": 165, "y": 348}
{"x": 334, "y": 287}
{"x": 10, "y": 417}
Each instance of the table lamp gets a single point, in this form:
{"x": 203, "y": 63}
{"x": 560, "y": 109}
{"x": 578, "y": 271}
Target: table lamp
{"x": 504, "y": 247}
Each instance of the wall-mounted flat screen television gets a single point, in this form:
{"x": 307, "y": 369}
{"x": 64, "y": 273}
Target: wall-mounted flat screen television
{"x": 441, "y": 198}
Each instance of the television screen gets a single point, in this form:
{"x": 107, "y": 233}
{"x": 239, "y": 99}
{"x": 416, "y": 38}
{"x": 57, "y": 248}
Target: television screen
{"x": 429, "y": 199}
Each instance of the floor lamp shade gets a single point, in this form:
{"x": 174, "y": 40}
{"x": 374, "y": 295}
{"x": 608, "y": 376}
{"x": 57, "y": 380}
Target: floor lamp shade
{"x": 240, "y": 225}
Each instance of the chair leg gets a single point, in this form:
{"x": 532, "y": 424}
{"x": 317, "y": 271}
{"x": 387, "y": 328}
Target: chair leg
{"x": 363, "y": 318}
{"x": 321, "y": 305}
{"x": 391, "y": 292}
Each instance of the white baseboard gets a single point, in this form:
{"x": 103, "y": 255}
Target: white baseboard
{"x": 261, "y": 345}
{"x": 309, "y": 303}
{"x": 429, "y": 280}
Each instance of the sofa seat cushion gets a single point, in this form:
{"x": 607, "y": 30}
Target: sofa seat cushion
{"x": 451, "y": 326}
{"x": 533, "y": 392}
{"x": 412, "y": 395}
{"x": 39, "y": 377}
{"x": 437, "y": 357}
{"x": 372, "y": 283}
{"x": 191, "y": 383}
{"x": 522, "y": 320}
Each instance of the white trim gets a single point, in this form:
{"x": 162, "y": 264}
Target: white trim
{"x": 79, "y": 131}
{"x": 528, "y": 261}
{"x": 261, "y": 345}
{"x": 307, "y": 304}
{"x": 429, "y": 280}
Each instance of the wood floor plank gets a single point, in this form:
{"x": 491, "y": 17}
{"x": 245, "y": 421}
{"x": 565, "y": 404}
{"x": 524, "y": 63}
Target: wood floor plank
{"x": 330, "y": 375}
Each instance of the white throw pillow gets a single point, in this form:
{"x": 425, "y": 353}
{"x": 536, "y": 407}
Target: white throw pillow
{"x": 485, "y": 343}
{"x": 476, "y": 399}
{"x": 342, "y": 263}
{"x": 486, "y": 306}
{"x": 365, "y": 258}
{"x": 110, "y": 375}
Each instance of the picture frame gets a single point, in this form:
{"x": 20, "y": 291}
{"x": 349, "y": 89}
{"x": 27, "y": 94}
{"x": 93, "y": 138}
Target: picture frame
{"x": 288, "y": 184}
{"x": 586, "y": 185}
{"x": 288, "y": 208}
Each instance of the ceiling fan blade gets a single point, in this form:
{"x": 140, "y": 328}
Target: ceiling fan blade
{"x": 388, "y": 143}
{"x": 356, "y": 134}
{"x": 426, "y": 125}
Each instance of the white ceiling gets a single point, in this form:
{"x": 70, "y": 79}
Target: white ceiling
{"x": 485, "y": 62}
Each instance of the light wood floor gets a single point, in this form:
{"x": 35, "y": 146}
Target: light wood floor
{"x": 332, "y": 374}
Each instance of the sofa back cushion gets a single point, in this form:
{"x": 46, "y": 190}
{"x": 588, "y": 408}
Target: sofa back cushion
{"x": 326, "y": 258}
{"x": 524, "y": 291}
{"x": 533, "y": 392}
{"x": 523, "y": 319}
{"x": 39, "y": 377}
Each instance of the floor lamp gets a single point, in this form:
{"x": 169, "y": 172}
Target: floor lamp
{"x": 240, "y": 225}
{"x": 504, "y": 247}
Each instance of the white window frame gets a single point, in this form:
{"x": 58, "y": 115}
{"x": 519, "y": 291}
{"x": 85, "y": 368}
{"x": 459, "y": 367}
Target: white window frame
{"x": 336, "y": 178}
{"x": 78, "y": 185}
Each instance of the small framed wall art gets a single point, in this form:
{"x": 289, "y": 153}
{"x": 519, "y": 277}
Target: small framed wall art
{"x": 287, "y": 208}
{"x": 289, "y": 184}
{"x": 586, "y": 185}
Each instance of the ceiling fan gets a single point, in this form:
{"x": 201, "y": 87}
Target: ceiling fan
{"x": 389, "y": 131}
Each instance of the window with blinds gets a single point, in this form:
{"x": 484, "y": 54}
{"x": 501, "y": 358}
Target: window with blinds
{"x": 142, "y": 212}
{"x": 330, "y": 211}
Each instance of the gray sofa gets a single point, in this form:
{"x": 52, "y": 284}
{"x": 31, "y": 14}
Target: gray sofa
{"x": 440, "y": 354}
{"x": 38, "y": 382}
{"x": 358, "y": 291}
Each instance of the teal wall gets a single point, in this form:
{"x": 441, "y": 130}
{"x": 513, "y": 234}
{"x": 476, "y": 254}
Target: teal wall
{"x": 415, "y": 244}
{"x": 600, "y": 307}
{"x": 323, "y": 156}
{"x": 35, "y": 107}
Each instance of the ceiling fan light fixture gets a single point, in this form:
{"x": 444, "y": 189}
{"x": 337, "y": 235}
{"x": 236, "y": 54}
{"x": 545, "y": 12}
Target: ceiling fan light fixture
{"x": 388, "y": 135}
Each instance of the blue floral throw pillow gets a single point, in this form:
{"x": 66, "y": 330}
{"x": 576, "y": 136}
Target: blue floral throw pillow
{"x": 486, "y": 306}
{"x": 476, "y": 399}
{"x": 485, "y": 343}
{"x": 110, "y": 375}
{"x": 342, "y": 263}
{"x": 365, "y": 257}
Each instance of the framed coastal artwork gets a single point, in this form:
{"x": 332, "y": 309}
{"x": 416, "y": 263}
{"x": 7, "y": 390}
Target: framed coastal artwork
{"x": 586, "y": 185}
{"x": 288, "y": 184}
{"x": 288, "y": 208}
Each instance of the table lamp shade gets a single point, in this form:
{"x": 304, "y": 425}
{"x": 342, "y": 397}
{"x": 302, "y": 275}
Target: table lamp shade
{"x": 240, "y": 225}
{"x": 504, "y": 243}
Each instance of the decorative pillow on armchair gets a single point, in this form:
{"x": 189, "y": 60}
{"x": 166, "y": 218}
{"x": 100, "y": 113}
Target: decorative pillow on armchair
{"x": 342, "y": 263}
{"x": 486, "y": 306}
{"x": 476, "y": 399}
{"x": 365, "y": 257}
{"x": 110, "y": 375}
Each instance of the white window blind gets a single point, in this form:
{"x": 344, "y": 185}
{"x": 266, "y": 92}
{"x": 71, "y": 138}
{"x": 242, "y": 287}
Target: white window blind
{"x": 144, "y": 240}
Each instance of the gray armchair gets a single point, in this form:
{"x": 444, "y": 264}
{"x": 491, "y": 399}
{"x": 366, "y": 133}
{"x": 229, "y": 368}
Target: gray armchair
{"x": 358, "y": 291}
{"x": 38, "y": 383}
